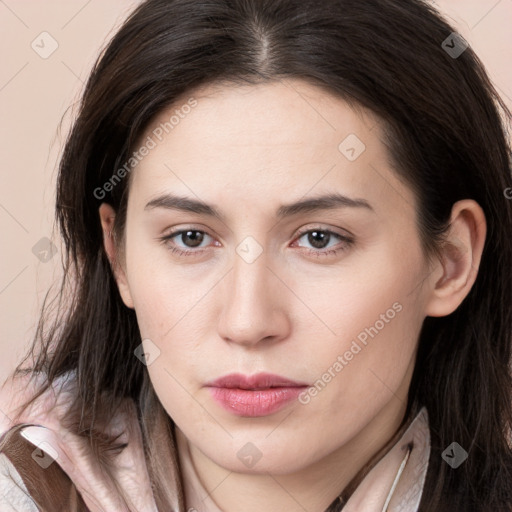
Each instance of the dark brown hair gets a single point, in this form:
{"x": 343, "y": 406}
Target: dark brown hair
{"x": 446, "y": 128}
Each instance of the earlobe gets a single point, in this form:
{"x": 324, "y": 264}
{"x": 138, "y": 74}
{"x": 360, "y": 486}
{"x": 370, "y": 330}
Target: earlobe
{"x": 459, "y": 259}
{"x": 107, "y": 217}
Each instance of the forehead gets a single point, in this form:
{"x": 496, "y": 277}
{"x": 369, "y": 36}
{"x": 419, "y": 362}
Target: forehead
{"x": 267, "y": 139}
{"x": 307, "y": 112}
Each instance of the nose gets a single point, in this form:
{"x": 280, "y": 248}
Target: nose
{"x": 253, "y": 305}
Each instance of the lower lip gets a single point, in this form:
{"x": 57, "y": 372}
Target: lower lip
{"x": 254, "y": 403}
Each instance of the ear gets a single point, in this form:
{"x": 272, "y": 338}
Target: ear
{"x": 107, "y": 216}
{"x": 457, "y": 268}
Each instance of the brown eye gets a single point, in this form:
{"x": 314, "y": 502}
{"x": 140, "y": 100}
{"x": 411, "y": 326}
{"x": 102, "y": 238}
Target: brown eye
{"x": 320, "y": 240}
{"x": 186, "y": 241}
{"x": 191, "y": 238}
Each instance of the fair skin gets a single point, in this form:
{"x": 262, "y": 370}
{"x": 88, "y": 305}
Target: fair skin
{"x": 248, "y": 150}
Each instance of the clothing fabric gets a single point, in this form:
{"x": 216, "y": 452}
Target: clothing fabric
{"x": 394, "y": 484}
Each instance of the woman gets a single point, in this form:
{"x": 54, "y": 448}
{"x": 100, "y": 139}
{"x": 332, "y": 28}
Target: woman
{"x": 288, "y": 260}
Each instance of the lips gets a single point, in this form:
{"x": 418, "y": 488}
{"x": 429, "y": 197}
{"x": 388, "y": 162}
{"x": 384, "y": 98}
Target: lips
{"x": 256, "y": 395}
{"x": 254, "y": 382}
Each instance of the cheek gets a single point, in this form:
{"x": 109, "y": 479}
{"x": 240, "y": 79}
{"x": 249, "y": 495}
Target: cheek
{"x": 373, "y": 300}
{"x": 370, "y": 360}
{"x": 371, "y": 355}
{"x": 164, "y": 293}
{"x": 372, "y": 314}
{"x": 172, "y": 306}
{"x": 365, "y": 368}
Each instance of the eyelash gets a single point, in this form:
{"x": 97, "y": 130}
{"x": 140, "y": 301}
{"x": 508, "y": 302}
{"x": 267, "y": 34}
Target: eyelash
{"x": 347, "y": 241}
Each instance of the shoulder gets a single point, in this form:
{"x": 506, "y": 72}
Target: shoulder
{"x": 16, "y": 391}
{"x": 60, "y": 465}
{"x": 14, "y": 495}
{"x": 29, "y": 480}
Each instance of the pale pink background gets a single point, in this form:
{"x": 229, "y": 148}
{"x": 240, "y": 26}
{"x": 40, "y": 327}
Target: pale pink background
{"x": 35, "y": 93}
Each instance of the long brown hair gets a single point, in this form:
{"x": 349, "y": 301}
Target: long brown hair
{"x": 446, "y": 128}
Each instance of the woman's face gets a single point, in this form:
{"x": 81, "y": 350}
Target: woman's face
{"x": 326, "y": 293}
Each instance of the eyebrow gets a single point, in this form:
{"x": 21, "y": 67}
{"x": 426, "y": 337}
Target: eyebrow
{"x": 308, "y": 205}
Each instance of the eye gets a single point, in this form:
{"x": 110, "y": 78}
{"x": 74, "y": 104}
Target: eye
{"x": 186, "y": 241}
{"x": 323, "y": 241}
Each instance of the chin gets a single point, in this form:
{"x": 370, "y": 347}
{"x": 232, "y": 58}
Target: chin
{"x": 261, "y": 458}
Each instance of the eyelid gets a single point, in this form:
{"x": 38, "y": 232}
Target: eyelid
{"x": 175, "y": 230}
{"x": 344, "y": 234}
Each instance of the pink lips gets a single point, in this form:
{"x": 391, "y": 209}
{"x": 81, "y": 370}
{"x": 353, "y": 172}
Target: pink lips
{"x": 255, "y": 395}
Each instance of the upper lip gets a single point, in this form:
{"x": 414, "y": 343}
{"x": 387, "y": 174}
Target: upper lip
{"x": 258, "y": 381}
